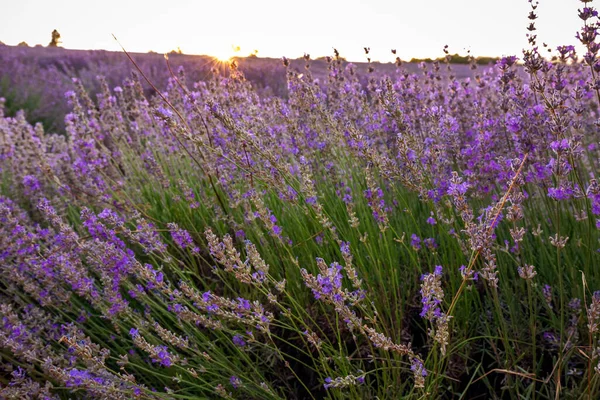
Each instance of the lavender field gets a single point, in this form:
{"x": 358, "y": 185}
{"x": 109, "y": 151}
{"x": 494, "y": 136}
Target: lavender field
{"x": 299, "y": 229}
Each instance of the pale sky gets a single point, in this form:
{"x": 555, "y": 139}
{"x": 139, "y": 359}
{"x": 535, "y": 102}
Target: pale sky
{"x": 276, "y": 28}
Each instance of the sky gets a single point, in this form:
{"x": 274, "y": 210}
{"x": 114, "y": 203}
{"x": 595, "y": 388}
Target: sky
{"x": 276, "y": 28}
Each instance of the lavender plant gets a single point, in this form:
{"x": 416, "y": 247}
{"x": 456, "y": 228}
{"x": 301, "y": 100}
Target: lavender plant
{"x": 413, "y": 235}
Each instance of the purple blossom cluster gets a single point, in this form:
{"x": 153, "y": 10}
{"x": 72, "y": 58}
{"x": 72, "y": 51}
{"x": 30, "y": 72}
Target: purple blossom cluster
{"x": 182, "y": 238}
{"x": 431, "y": 297}
{"x": 330, "y": 283}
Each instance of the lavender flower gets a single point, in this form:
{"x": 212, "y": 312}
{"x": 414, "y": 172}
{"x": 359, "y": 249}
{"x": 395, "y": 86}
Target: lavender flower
{"x": 182, "y": 238}
{"x": 235, "y": 382}
{"x": 238, "y": 340}
{"x": 432, "y": 296}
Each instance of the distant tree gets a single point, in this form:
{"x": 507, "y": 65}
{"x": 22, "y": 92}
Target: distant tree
{"x": 457, "y": 59}
{"x": 328, "y": 59}
{"x": 178, "y": 51}
{"x": 420, "y": 60}
{"x": 487, "y": 60}
{"x": 2, "y": 43}
{"x": 23, "y": 44}
{"x": 55, "y": 39}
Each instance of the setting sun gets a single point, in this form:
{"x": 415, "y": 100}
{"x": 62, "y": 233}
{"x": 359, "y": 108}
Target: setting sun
{"x": 226, "y": 54}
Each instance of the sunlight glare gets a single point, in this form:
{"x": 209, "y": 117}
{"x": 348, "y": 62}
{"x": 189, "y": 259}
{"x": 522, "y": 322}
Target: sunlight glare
{"x": 226, "y": 54}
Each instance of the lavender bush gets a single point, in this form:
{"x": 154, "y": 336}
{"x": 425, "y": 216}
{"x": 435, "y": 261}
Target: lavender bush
{"x": 35, "y": 79}
{"x": 417, "y": 235}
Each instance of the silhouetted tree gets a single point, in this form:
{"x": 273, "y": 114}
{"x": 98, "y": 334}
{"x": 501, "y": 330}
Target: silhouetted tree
{"x": 23, "y": 44}
{"x": 55, "y": 39}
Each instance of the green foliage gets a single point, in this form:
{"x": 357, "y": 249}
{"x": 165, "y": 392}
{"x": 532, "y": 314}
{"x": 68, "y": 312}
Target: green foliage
{"x": 29, "y": 102}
